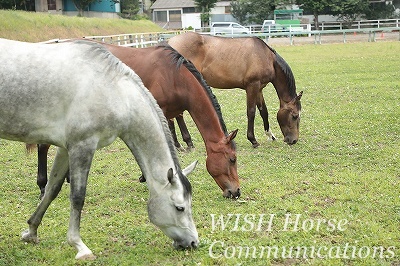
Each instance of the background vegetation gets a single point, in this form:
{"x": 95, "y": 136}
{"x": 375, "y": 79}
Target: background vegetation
{"x": 345, "y": 166}
{"x": 255, "y": 11}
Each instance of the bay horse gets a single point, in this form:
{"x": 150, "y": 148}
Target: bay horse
{"x": 177, "y": 86}
{"x": 250, "y": 64}
{"x": 80, "y": 97}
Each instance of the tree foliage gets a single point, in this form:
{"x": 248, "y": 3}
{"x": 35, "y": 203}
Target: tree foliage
{"x": 256, "y": 11}
{"x": 27, "y": 5}
{"x": 129, "y": 9}
{"x": 81, "y": 5}
{"x": 349, "y": 10}
{"x": 206, "y": 6}
{"x": 316, "y": 7}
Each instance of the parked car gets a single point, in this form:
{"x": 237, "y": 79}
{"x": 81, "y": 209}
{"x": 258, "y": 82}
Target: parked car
{"x": 228, "y": 28}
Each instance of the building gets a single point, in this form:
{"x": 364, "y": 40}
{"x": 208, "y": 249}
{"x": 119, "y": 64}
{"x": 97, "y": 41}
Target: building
{"x": 104, "y": 9}
{"x": 178, "y": 14}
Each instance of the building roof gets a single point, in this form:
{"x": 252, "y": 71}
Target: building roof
{"x": 172, "y": 4}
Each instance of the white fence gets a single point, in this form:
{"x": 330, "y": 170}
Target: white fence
{"x": 138, "y": 40}
{"x": 381, "y": 23}
{"x": 370, "y": 27}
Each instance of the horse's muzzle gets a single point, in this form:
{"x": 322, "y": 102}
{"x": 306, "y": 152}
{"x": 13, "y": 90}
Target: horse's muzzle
{"x": 231, "y": 193}
{"x": 182, "y": 245}
{"x": 290, "y": 140}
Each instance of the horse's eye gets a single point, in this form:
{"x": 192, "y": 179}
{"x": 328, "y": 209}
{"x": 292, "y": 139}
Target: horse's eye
{"x": 232, "y": 160}
{"x": 180, "y": 209}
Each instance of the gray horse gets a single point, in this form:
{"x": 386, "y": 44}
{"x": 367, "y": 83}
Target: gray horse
{"x": 80, "y": 98}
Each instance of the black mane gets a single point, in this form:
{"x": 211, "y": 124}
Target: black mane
{"x": 286, "y": 70}
{"x": 179, "y": 60}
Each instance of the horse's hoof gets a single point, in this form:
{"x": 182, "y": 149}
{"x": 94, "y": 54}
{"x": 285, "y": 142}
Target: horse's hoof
{"x": 90, "y": 256}
{"x": 142, "y": 179}
{"x": 271, "y": 136}
{"x": 189, "y": 148}
{"x": 27, "y": 237}
{"x": 181, "y": 149}
{"x": 255, "y": 145}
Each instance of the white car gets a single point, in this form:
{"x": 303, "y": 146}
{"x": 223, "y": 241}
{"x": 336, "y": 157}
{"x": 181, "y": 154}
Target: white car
{"x": 228, "y": 28}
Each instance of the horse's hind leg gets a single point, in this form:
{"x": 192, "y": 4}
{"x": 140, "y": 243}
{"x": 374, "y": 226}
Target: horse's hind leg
{"x": 60, "y": 167}
{"x": 251, "y": 95}
{"x": 184, "y": 131}
{"x": 173, "y": 134}
{"x": 262, "y": 107}
{"x": 42, "y": 167}
{"x": 80, "y": 159}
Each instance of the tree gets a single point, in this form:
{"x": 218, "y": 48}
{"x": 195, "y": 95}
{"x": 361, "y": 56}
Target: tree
{"x": 206, "y": 6}
{"x": 379, "y": 10}
{"x": 349, "y": 10}
{"x": 316, "y": 7}
{"x": 81, "y": 5}
{"x": 240, "y": 10}
{"x": 129, "y": 9}
{"x": 28, "y": 5}
{"x": 256, "y": 11}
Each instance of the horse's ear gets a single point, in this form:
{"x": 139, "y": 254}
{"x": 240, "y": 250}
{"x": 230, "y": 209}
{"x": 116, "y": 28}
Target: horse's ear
{"x": 231, "y": 135}
{"x": 298, "y": 97}
{"x": 170, "y": 175}
{"x": 190, "y": 168}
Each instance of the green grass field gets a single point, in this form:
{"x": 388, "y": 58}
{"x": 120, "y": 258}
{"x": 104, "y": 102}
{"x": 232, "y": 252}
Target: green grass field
{"x": 344, "y": 169}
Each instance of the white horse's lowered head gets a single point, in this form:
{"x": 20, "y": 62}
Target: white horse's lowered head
{"x": 80, "y": 98}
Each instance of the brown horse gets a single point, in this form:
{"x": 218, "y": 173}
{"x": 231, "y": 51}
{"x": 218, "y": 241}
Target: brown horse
{"x": 178, "y": 86}
{"x": 247, "y": 63}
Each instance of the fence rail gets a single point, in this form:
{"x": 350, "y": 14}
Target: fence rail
{"x": 141, "y": 40}
{"x": 138, "y": 40}
{"x": 381, "y": 23}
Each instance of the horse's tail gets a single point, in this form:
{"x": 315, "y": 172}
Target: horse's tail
{"x": 30, "y": 148}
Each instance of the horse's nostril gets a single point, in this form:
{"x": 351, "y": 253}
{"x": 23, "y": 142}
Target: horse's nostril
{"x": 194, "y": 244}
{"x": 238, "y": 193}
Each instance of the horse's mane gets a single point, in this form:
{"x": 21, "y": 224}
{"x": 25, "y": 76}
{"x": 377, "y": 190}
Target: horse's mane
{"x": 99, "y": 52}
{"x": 179, "y": 60}
{"x": 285, "y": 68}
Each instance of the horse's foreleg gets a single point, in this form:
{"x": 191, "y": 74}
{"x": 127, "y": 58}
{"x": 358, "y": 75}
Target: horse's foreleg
{"x": 173, "y": 134}
{"x": 42, "y": 167}
{"x": 262, "y": 108}
{"x": 80, "y": 159}
{"x": 251, "y": 95}
{"x": 60, "y": 167}
{"x": 184, "y": 131}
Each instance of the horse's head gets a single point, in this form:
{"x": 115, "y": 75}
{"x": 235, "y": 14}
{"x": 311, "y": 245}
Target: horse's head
{"x": 171, "y": 209}
{"x": 223, "y": 168}
{"x": 289, "y": 119}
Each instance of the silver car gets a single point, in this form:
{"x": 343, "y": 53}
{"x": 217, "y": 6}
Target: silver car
{"x": 228, "y": 28}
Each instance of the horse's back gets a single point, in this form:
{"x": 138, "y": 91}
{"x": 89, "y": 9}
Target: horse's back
{"x": 49, "y": 92}
{"x": 226, "y": 62}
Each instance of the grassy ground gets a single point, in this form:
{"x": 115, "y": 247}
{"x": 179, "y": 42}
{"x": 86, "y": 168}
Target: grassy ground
{"x": 35, "y": 27}
{"x": 345, "y": 168}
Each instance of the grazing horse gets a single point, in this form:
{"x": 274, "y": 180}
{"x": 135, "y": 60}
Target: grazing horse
{"x": 79, "y": 97}
{"x": 178, "y": 86}
{"x": 250, "y": 64}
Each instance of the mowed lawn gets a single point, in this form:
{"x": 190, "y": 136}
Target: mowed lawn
{"x": 340, "y": 181}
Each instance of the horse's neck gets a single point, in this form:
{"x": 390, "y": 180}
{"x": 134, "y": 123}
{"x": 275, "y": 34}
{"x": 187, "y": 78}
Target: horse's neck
{"x": 281, "y": 86}
{"x": 154, "y": 165}
{"x": 205, "y": 116}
